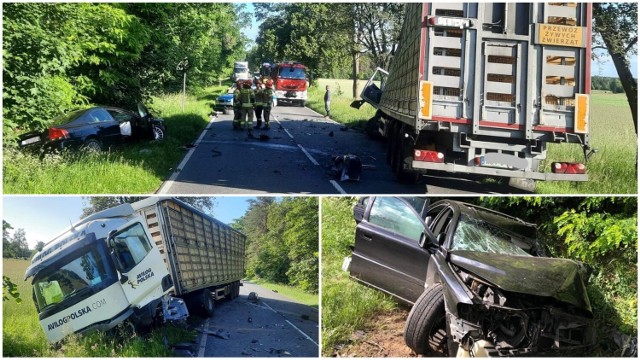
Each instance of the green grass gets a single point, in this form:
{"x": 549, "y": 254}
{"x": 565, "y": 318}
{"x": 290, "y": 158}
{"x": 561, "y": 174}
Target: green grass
{"x": 290, "y": 292}
{"x": 341, "y": 91}
{"x": 22, "y": 335}
{"x": 346, "y": 305}
{"x": 612, "y": 170}
{"x": 129, "y": 169}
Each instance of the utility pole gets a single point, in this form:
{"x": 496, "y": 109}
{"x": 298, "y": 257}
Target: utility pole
{"x": 183, "y": 66}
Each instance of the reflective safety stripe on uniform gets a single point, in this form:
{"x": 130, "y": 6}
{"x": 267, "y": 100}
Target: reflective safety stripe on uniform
{"x": 247, "y": 98}
{"x": 267, "y": 96}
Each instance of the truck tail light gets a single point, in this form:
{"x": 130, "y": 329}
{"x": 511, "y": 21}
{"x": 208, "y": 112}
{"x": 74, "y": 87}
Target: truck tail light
{"x": 581, "y": 114}
{"x": 56, "y": 134}
{"x": 480, "y": 161}
{"x": 568, "y": 168}
{"x": 426, "y": 99}
{"x": 428, "y": 156}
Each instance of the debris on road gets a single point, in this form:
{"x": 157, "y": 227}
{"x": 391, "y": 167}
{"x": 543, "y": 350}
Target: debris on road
{"x": 331, "y": 134}
{"x": 252, "y": 295}
{"x": 279, "y": 352}
{"x": 220, "y": 333}
{"x": 187, "y": 146}
{"x": 347, "y": 167}
{"x": 304, "y": 317}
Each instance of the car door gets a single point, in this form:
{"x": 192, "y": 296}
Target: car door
{"x": 106, "y": 127}
{"x": 123, "y": 117}
{"x": 387, "y": 254}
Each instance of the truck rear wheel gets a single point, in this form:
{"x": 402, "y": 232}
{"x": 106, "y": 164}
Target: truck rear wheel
{"x": 426, "y": 328}
{"x": 208, "y": 304}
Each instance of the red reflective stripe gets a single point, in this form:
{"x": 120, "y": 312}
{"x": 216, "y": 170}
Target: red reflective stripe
{"x": 501, "y": 125}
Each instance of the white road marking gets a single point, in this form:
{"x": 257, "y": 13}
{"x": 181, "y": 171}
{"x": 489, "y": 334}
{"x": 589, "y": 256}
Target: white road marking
{"x": 203, "y": 341}
{"x": 311, "y": 158}
{"x": 295, "y": 327}
{"x": 167, "y": 184}
{"x": 338, "y": 187}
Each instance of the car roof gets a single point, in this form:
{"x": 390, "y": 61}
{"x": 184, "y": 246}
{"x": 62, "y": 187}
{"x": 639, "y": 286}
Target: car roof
{"x": 493, "y": 217}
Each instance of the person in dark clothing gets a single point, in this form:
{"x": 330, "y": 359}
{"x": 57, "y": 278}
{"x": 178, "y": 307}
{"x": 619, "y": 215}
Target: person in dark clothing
{"x": 327, "y": 102}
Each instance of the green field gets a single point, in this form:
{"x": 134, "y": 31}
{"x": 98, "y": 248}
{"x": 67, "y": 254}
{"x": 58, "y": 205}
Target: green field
{"x": 22, "y": 335}
{"x": 129, "y": 169}
{"x": 612, "y": 170}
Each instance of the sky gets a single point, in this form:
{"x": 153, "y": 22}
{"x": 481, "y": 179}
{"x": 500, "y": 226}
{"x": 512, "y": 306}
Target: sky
{"x": 45, "y": 217}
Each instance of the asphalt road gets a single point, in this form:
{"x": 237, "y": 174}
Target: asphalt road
{"x": 297, "y": 159}
{"x": 271, "y": 326}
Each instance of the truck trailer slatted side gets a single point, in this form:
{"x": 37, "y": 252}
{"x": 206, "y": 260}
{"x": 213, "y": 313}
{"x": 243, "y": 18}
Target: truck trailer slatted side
{"x": 201, "y": 252}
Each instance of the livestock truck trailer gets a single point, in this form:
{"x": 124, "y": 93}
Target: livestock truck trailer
{"x": 148, "y": 262}
{"x": 483, "y": 88}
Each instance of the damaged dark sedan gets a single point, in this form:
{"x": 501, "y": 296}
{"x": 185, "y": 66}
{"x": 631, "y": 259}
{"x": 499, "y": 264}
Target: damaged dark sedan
{"x": 478, "y": 281}
{"x": 96, "y": 129}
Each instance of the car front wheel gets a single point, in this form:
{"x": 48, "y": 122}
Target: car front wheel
{"x": 426, "y": 327}
{"x": 159, "y": 132}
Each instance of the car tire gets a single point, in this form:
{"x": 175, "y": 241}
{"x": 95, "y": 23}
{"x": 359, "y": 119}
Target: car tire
{"x": 425, "y": 330}
{"x": 208, "y": 304}
{"x": 158, "y": 132}
{"x": 92, "y": 145}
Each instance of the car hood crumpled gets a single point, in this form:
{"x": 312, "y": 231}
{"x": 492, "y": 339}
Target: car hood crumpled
{"x": 561, "y": 279}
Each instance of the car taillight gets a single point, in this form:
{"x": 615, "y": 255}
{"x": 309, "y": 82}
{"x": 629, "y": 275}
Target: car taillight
{"x": 428, "y": 155}
{"x": 55, "y": 134}
{"x": 568, "y": 168}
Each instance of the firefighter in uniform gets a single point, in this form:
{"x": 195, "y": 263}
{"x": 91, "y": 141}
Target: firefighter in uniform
{"x": 247, "y": 103}
{"x": 267, "y": 97}
{"x": 236, "y": 106}
{"x": 259, "y": 104}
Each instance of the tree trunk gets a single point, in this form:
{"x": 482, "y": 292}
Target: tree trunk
{"x": 628, "y": 83}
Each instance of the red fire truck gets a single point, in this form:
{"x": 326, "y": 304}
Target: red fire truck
{"x": 290, "y": 82}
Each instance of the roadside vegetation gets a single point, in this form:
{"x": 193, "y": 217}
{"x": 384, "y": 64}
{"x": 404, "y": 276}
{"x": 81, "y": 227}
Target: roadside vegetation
{"x": 612, "y": 169}
{"x": 291, "y": 292}
{"x": 22, "y": 335}
{"x": 282, "y": 242}
{"x": 600, "y": 231}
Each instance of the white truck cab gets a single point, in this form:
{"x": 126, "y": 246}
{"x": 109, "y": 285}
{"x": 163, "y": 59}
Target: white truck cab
{"x": 101, "y": 271}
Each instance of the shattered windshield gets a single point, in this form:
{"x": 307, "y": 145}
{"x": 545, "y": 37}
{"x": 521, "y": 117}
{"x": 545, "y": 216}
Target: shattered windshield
{"x": 77, "y": 277}
{"x": 476, "y": 235}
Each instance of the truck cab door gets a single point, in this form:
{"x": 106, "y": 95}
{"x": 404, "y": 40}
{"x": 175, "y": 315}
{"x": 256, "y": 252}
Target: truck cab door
{"x": 141, "y": 269}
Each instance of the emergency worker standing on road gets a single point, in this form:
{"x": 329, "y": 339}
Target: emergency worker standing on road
{"x": 259, "y": 104}
{"x": 247, "y": 103}
{"x": 267, "y": 97}
{"x": 237, "y": 125}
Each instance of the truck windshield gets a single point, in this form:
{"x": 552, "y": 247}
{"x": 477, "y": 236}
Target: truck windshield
{"x": 476, "y": 235}
{"x": 77, "y": 277}
{"x": 292, "y": 73}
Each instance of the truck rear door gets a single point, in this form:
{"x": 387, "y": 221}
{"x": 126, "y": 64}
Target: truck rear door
{"x": 516, "y": 70}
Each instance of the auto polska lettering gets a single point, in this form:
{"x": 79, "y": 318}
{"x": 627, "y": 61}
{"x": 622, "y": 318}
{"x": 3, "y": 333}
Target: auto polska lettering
{"x": 78, "y": 313}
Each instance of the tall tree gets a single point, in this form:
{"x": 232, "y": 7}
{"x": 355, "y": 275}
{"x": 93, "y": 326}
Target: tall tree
{"x": 615, "y": 29}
